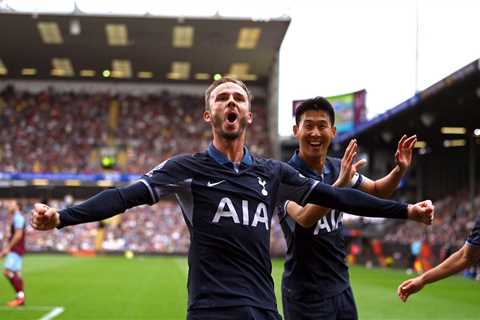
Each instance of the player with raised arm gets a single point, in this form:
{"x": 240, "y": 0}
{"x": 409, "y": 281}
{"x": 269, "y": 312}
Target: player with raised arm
{"x": 227, "y": 198}
{"x": 316, "y": 282}
{"x": 465, "y": 257}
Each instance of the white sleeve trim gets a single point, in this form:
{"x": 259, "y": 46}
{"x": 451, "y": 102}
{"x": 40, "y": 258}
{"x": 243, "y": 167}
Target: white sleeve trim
{"x": 356, "y": 181}
{"x": 472, "y": 244}
{"x": 152, "y": 194}
{"x": 309, "y": 191}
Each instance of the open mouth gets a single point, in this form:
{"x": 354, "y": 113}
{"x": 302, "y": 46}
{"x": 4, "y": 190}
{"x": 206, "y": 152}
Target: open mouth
{"x": 232, "y": 117}
{"x": 315, "y": 144}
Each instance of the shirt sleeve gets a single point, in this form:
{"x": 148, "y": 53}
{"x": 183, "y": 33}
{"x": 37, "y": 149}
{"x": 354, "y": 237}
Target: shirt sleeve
{"x": 293, "y": 185}
{"x": 162, "y": 180}
{"x": 18, "y": 222}
{"x": 105, "y": 204}
{"x": 281, "y": 210}
{"x": 169, "y": 177}
{"x": 355, "y": 202}
{"x": 474, "y": 237}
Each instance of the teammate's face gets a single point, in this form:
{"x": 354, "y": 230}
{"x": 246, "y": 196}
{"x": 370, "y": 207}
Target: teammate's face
{"x": 314, "y": 133}
{"x": 229, "y": 113}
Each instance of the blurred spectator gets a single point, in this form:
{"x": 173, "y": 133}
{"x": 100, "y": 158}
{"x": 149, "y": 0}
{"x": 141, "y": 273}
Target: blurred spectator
{"x": 454, "y": 218}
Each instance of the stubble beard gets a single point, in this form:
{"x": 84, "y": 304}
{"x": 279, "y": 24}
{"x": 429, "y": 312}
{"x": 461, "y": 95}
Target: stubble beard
{"x": 218, "y": 125}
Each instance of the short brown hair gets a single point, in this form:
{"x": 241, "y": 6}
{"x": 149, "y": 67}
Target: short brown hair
{"x": 223, "y": 80}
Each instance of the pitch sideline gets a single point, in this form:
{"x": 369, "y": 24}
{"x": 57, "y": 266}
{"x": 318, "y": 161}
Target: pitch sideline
{"x": 54, "y": 311}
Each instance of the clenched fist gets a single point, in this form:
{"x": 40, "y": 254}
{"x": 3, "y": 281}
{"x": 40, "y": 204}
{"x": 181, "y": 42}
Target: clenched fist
{"x": 44, "y": 217}
{"x": 422, "y": 212}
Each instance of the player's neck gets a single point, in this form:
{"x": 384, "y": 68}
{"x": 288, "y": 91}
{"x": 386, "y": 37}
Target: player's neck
{"x": 232, "y": 149}
{"x": 314, "y": 163}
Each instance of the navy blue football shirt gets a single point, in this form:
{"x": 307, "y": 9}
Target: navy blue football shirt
{"x": 474, "y": 237}
{"x": 315, "y": 263}
{"x": 228, "y": 209}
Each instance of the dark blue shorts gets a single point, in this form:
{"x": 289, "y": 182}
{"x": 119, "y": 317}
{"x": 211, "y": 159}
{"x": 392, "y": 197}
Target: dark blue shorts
{"x": 233, "y": 313}
{"x": 339, "y": 307}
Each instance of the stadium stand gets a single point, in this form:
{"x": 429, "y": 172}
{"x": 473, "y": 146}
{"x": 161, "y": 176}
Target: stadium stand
{"x": 145, "y": 130}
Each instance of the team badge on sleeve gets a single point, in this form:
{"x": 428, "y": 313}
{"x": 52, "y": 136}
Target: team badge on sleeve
{"x": 160, "y": 166}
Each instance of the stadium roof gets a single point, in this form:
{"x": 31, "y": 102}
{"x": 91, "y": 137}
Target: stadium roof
{"x": 451, "y": 104}
{"x": 147, "y": 48}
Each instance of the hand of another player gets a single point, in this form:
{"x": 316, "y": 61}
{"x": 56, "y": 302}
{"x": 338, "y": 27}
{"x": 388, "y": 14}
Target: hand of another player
{"x": 348, "y": 168}
{"x": 422, "y": 212}
{"x": 44, "y": 217}
{"x": 409, "y": 287}
{"x": 403, "y": 155}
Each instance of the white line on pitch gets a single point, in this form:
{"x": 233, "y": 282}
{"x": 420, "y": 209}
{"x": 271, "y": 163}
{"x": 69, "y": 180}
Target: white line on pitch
{"x": 52, "y": 314}
{"x": 28, "y": 308}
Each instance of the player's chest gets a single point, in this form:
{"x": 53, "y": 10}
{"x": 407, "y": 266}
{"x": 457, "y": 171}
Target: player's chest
{"x": 242, "y": 201}
{"x": 251, "y": 186}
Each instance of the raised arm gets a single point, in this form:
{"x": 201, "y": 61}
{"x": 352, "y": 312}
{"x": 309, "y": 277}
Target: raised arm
{"x": 385, "y": 186}
{"x": 104, "y": 205}
{"x": 308, "y": 215}
{"x": 463, "y": 258}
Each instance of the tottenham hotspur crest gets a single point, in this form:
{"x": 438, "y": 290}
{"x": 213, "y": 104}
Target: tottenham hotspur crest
{"x": 263, "y": 183}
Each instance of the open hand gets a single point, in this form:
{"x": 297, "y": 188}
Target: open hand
{"x": 403, "y": 155}
{"x": 348, "y": 168}
{"x": 409, "y": 287}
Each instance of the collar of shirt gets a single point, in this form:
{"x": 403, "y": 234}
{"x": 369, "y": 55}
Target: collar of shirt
{"x": 298, "y": 163}
{"x": 221, "y": 159}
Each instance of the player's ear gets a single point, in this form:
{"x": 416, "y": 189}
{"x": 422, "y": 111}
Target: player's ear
{"x": 249, "y": 118}
{"x": 295, "y": 130}
{"x": 207, "y": 117}
{"x": 334, "y": 131}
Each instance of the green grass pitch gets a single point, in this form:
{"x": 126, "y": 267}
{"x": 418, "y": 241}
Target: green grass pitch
{"x": 155, "y": 288}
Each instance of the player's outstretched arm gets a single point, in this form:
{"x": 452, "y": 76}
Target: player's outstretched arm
{"x": 363, "y": 204}
{"x": 463, "y": 258}
{"x": 308, "y": 215}
{"x": 104, "y": 205}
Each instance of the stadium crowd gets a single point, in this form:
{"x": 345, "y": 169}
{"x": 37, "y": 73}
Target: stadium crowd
{"x": 454, "y": 218}
{"x": 144, "y": 130}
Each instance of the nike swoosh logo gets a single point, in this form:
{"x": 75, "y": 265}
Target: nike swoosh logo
{"x": 212, "y": 184}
